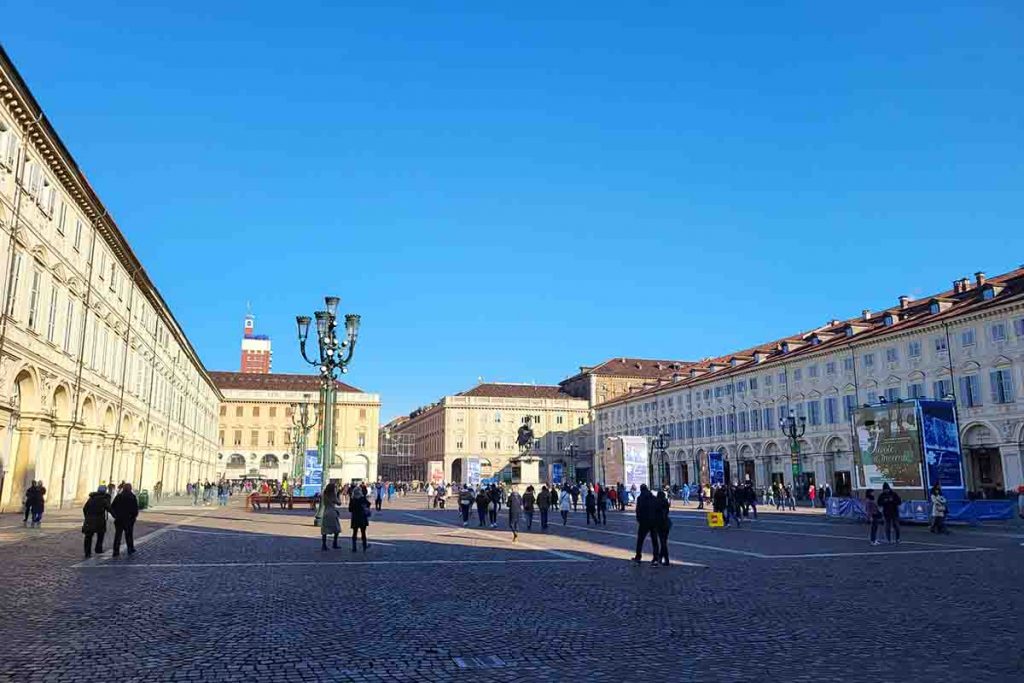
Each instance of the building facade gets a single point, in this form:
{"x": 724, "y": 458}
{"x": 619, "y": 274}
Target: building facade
{"x": 483, "y": 422}
{"x": 258, "y": 437}
{"x": 965, "y": 344}
{"x": 257, "y": 356}
{"x": 98, "y": 381}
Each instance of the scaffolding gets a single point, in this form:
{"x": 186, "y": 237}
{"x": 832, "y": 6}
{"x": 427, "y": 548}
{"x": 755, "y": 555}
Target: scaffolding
{"x": 394, "y": 460}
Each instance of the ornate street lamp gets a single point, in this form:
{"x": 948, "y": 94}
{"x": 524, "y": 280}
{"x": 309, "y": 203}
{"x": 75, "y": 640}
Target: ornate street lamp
{"x": 333, "y": 357}
{"x": 658, "y": 444}
{"x": 570, "y": 454}
{"x": 302, "y": 423}
{"x": 793, "y": 428}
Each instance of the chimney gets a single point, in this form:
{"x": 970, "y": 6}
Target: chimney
{"x": 956, "y": 286}
{"x": 965, "y": 284}
{"x": 865, "y": 314}
{"x": 904, "y": 301}
{"x": 979, "y": 278}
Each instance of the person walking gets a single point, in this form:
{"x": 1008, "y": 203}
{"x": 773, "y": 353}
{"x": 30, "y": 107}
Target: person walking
{"x": 330, "y": 523}
{"x": 528, "y": 502}
{"x": 482, "y": 501}
{"x": 515, "y": 512}
{"x": 494, "y": 496}
{"x": 890, "y": 503}
{"x": 684, "y": 493}
{"x": 543, "y": 504}
{"x": 647, "y": 521}
{"x": 874, "y": 515}
{"x": 790, "y": 498}
{"x": 662, "y": 526}
{"x": 379, "y": 498}
{"x": 575, "y": 493}
{"x": 564, "y": 505}
{"x": 95, "y": 512}
{"x": 465, "y": 504}
{"x": 751, "y": 495}
{"x": 700, "y": 496}
{"x": 590, "y": 503}
{"x": 939, "y": 509}
{"x": 620, "y": 496}
{"x": 602, "y": 505}
{"x": 812, "y": 494}
{"x": 124, "y": 510}
{"x": 359, "y": 510}
{"x": 720, "y": 502}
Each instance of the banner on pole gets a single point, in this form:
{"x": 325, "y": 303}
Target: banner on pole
{"x": 312, "y": 473}
{"x": 716, "y": 468}
{"x": 473, "y": 472}
{"x": 557, "y": 472}
{"x": 435, "y": 472}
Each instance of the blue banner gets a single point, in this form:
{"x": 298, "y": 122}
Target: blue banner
{"x": 716, "y": 468}
{"x": 312, "y": 474}
{"x": 473, "y": 472}
{"x": 941, "y": 441}
{"x": 557, "y": 472}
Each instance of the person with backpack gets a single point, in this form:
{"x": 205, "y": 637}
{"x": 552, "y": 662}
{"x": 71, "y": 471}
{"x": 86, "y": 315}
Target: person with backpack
{"x": 890, "y": 502}
{"x": 874, "y": 514}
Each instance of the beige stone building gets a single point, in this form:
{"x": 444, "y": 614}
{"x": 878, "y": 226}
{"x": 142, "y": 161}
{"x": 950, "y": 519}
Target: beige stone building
{"x": 98, "y": 381}
{"x": 966, "y": 343}
{"x": 483, "y": 422}
{"x": 257, "y": 436}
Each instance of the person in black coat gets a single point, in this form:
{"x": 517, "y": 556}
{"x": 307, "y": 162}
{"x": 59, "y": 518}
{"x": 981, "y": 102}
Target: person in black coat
{"x": 590, "y": 503}
{"x": 889, "y": 501}
{"x": 602, "y": 505}
{"x": 647, "y": 520}
{"x": 543, "y": 504}
{"x": 125, "y": 510}
{"x": 663, "y": 525}
{"x": 95, "y": 511}
{"x": 359, "y": 508}
{"x": 494, "y": 495}
{"x": 482, "y": 501}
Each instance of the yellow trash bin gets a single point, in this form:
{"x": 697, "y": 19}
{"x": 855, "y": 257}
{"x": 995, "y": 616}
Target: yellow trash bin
{"x": 716, "y": 520}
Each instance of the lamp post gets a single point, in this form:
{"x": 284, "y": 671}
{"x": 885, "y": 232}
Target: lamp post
{"x": 658, "y": 444}
{"x": 570, "y": 454}
{"x": 302, "y": 423}
{"x": 333, "y": 357}
{"x": 793, "y": 428}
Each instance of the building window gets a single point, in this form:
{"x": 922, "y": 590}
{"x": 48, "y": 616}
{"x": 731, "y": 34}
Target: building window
{"x": 497, "y": 417}
{"x": 579, "y": 421}
{"x": 915, "y": 390}
{"x": 256, "y": 411}
{"x": 731, "y": 424}
{"x": 1002, "y": 386}
{"x": 812, "y": 371}
{"x": 536, "y": 445}
{"x": 814, "y": 413}
{"x": 270, "y": 438}
{"x": 558, "y": 420}
{"x": 998, "y": 331}
{"x": 69, "y": 324}
{"x": 744, "y": 425}
{"x": 458, "y": 445}
{"x": 940, "y": 345}
{"x": 892, "y": 394}
{"x": 254, "y": 438}
{"x": 798, "y": 375}
{"x": 970, "y": 391}
{"x": 223, "y": 411}
{"x": 848, "y": 365}
{"x": 831, "y": 410}
{"x": 238, "y": 437}
{"x": 767, "y": 380}
{"x": 869, "y": 360}
{"x": 849, "y": 405}
{"x": 830, "y": 368}
{"x": 1018, "y": 327}
{"x": 483, "y": 445}
{"x": 238, "y": 411}
{"x": 33, "y": 300}
{"x": 221, "y": 438}
{"x": 914, "y": 349}
{"x": 753, "y": 384}
{"x": 361, "y": 440}
{"x": 62, "y": 217}
{"x": 967, "y": 337}
{"x": 51, "y": 321}
{"x": 891, "y": 356}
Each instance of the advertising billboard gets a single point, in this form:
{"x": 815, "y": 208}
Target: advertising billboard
{"x": 634, "y": 461}
{"x": 941, "y": 441}
{"x": 435, "y": 472}
{"x": 716, "y": 468}
{"x": 312, "y": 474}
{"x": 473, "y": 472}
{"x": 557, "y": 472}
{"x": 888, "y": 446}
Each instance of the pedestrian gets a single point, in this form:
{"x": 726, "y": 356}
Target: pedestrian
{"x": 330, "y": 523}
{"x": 939, "y": 510}
{"x": 647, "y": 521}
{"x": 733, "y": 504}
{"x": 751, "y": 498}
{"x": 812, "y": 494}
{"x": 379, "y": 498}
{"x": 575, "y": 492}
{"x": 543, "y": 503}
{"x": 494, "y": 496}
{"x": 359, "y": 509}
{"x": 790, "y": 498}
{"x": 95, "y": 512}
{"x": 663, "y": 525}
{"x": 465, "y": 504}
{"x": 684, "y": 493}
{"x": 602, "y": 505}
{"x": 1020, "y": 501}
{"x": 874, "y": 514}
{"x": 890, "y": 503}
{"x": 564, "y": 503}
{"x": 620, "y": 497}
{"x": 700, "y": 496}
{"x": 590, "y": 503}
{"x": 515, "y": 512}
{"x": 482, "y": 501}
{"x": 124, "y": 510}
{"x": 529, "y": 499}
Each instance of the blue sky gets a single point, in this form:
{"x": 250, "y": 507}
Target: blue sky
{"x": 511, "y": 190}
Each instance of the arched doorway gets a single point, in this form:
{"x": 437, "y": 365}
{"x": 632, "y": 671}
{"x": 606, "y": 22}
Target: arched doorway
{"x": 456, "y": 472}
{"x": 983, "y": 462}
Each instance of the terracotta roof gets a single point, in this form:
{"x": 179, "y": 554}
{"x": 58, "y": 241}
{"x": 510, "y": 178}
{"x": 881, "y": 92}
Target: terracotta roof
{"x": 497, "y": 390}
{"x": 646, "y": 368}
{"x": 906, "y": 316}
{"x": 272, "y": 382}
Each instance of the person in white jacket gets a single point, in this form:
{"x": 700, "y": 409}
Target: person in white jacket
{"x": 564, "y": 505}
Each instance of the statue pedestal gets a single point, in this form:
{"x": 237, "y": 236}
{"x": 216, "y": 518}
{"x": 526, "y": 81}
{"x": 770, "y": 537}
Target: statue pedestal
{"x": 526, "y": 472}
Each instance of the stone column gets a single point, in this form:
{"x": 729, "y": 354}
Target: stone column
{"x": 84, "y": 452}
{"x": 22, "y": 468}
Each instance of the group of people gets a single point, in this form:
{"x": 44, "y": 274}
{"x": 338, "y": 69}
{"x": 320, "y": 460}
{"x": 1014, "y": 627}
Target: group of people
{"x": 124, "y": 509}
{"x": 358, "y": 508}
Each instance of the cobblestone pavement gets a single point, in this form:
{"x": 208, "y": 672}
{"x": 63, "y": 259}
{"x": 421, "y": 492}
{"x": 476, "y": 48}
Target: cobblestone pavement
{"x": 224, "y": 594}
